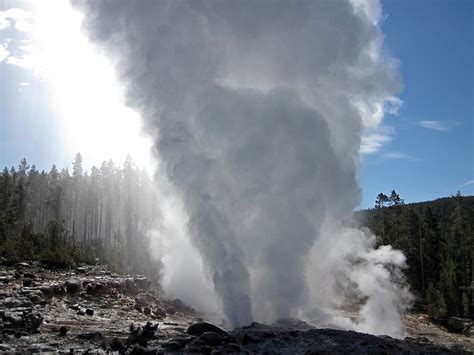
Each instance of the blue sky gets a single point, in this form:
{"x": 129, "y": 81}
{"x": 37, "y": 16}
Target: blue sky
{"x": 428, "y": 149}
{"x": 431, "y": 153}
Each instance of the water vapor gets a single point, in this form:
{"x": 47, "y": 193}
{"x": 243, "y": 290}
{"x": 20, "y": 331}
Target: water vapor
{"x": 256, "y": 109}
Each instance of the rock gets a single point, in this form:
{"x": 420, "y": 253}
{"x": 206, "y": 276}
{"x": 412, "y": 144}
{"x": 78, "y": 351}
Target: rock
{"x": 16, "y": 318}
{"x": 47, "y": 290}
{"x": 141, "y": 301}
{"x": 150, "y": 298}
{"x": 22, "y": 265}
{"x": 89, "y": 312}
{"x": 459, "y": 325}
{"x": 35, "y": 299}
{"x": 141, "y": 282}
{"x": 12, "y": 302}
{"x": 81, "y": 270}
{"x": 35, "y": 321}
{"x": 5, "y": 279}
{"x": 116, "y": 345}
{"x": 172, "y": 345}
{"x": 63, "y": 331}
{"x": 131, "y": 286}
{"x": 91, "y": 336}
{"x": 159, "y": 312}
{"x": 27, "y": 282}
{"x": 73, "y": 286}
{"x": 138, "y": 307}
{"x": 81, "y": 312}
{"x": 75, "y": 307}
{"x": 197, "y": 329}
{"x": 18, "y": 335}
{"x": 59, "y": 290}
{"x": 211, "y": 338}
{"x": 96, "y": 288}
{"x": 170, "y": 310}
{"x": 5, "y": 348}
{"x": 147, "y": 310}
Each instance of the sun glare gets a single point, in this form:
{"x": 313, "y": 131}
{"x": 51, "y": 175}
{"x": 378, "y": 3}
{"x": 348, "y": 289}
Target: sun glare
{"x": 85, "y": 90}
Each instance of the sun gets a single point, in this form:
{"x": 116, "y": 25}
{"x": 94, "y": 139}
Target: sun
{"x": 85, "y": 92}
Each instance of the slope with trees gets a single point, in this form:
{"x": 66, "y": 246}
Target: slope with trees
{"x": 63, "y": 218}
{"x": 437, "y": 238}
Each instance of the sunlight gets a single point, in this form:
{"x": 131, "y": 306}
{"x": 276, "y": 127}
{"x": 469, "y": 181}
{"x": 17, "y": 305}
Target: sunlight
{"x": 86, "y": 93}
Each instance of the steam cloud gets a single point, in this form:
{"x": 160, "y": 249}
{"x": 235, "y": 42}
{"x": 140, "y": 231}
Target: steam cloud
{"x": 257, "y": 109}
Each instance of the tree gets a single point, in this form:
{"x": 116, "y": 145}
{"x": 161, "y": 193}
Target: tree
{"x": 381, "y": 200}
{"x": 394, "y": 199}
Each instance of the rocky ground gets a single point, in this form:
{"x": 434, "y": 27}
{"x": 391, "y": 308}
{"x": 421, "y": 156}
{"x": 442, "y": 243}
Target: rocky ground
{"x": 93, "y": 309}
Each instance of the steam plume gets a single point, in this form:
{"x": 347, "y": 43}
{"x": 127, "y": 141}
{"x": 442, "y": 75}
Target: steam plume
{"x": 256, "y": 109}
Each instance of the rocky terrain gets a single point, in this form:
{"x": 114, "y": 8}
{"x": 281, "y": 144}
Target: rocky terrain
{"x": 93, "y": 309}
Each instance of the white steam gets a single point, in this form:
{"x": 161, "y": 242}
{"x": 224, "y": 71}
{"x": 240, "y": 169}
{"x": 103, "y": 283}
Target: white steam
{"x": 256, "y": 109}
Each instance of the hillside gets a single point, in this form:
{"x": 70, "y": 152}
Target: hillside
{"x": 437, "y": 239}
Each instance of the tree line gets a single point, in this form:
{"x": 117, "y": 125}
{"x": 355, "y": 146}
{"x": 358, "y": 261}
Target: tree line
{"x": 437, "y": 237}
{"x": 63, "y": 218}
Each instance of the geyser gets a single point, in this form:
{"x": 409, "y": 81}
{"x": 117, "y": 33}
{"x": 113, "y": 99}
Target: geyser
{"x": 256, "y": 109}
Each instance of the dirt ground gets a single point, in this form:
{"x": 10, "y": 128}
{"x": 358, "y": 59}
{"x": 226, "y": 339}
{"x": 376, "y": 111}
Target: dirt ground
{"x": 91, "y": 308}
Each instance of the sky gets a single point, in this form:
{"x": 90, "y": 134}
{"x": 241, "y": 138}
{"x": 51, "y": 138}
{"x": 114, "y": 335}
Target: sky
{"x": 49, "y": 110}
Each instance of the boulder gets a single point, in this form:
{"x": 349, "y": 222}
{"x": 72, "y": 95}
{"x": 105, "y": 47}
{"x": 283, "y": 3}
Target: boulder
{"x": 197, "y": 329}
{"x": 73, "y": 286}
{"x": 63, "y": 331}
{"x": 211, "y": 338}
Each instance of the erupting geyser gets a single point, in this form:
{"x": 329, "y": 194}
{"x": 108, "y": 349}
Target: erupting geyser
{"x": 257, "y": 109}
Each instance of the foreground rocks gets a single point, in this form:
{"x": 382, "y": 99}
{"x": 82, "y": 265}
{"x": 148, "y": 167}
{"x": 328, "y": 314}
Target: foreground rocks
{"x": 91, "y": 308}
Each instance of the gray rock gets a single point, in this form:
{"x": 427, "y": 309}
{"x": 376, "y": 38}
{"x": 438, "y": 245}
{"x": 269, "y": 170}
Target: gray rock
{"x": 172, "y": 345}
{"x": 197, "y": 329}
{"x": 141, "y": 282}
{"x": 89, "y": 312}
{"x": 63, "y": 331}
{"x": 73, "y": 286}
{"x": 211, "y": 338}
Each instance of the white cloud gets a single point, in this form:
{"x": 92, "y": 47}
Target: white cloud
{"x": 398, "y": 155}
{"x": 372, "y": 113}
{"x": 434, "y": 125}
{"x": 373, "y": 143}
{"x": 4, "y": 53}
{"x": 23, "y": 85}
{"x": 21, "y": 18}
{"x": 374, "y": 140}
{"x": 467, "y": 183}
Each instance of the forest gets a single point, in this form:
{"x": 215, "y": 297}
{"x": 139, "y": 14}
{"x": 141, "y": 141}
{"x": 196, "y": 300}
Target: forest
{"x": 437, "y": 238}
{"x": 62, "y": 218}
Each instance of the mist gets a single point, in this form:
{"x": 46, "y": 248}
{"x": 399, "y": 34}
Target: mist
{"x": 256, "y": 110}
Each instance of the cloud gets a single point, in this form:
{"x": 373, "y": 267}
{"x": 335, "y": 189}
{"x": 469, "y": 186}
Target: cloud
{"x": 373, "y": 143}
{"x": 23, "y": 85}
{"x": 398, "y": 155}
{"x": 467, "y": 183}
{"x": 372, "y": 113}
{"x": 4, "y": 53}
{"x": 441, "y": 126}
{"x": 373, "y": 140}
{"x": 22, "y": 19}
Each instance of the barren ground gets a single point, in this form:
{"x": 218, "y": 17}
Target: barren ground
{"x": 91, "y": 308}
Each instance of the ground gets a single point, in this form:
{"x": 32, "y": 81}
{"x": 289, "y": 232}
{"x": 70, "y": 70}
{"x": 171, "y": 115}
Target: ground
{"x": 91, "y": 308}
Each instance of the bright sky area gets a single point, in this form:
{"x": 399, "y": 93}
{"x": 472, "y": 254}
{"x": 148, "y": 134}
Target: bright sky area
{"x": 59, "y": 96}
